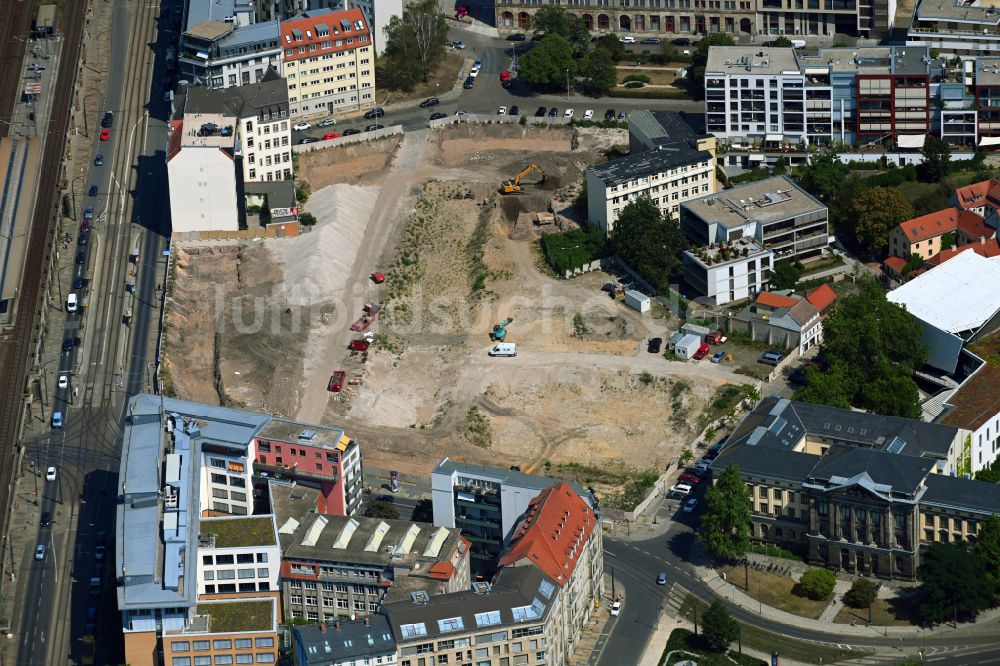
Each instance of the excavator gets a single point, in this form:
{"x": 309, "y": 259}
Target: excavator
{"x": 499, "y": 332}
{"x": 514, "y": 186}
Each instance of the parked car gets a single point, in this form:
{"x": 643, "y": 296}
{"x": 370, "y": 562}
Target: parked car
{"x": 307, "y": 139}
{"x": 438, "y": 116}
{"x": 99, "y": 553}
{"x": 99, "y": 160}
{"x": 349, "y": 132}
{"x": 81, "y": 240}
{"x": 458, "y": 44}
{"x": 588, "y": 114}
{"x": 689, "y": 478}
{"x": 88, "y": 213}
{"x": 372, "y": 128}
{"x": 81, "y": 257}
{"x": 540, "y": 113}
{"x": 514, "y": 111}
{"x": 301, "y": 127}
{"x": 40, "y": 552}
{"x": 377, "y": 278}
{"x": 654, "y": 345}
{"x": 330, "y": 135}
{"x": 430, "y": 101}
{"x": 718, "y": 356}
{"x": 772, "y": 357}
{"x": 628, "y": 39}
{"x": 662, "y": 578}
{"x": 57, "y": 417}
{"x": 609, "y": 114}
{"x": 553, "y": 112}
{"x": 327, "y": 122}
{"x": 50, "y": 474}
{"x": 680, "y": 489}
{"x": 502, "y": 111}
{"x": 377, "y": 112}
{"x": 92, "y": 192}
{"x": 105, "y": 134}
{"x": 702, "y": 352}
{"x": 616, "y": 608}
{"x": 469, "y": 82}
{"x": 516, "y": 37}
{"x": 46, "y": 519}
{"x": 691, "y": 505}
{"x": 683, "y": 41}
{"x": 568, "y": 114}
{"x": 702, "y": 465}
{"x": 108, "y": 120}
{"x": 85, "y": 227}
{"x": 63, "y": 382}
{"x": 650, "y": 40}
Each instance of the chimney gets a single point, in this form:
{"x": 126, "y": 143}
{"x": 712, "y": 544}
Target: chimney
{"x": 982, "y": 239}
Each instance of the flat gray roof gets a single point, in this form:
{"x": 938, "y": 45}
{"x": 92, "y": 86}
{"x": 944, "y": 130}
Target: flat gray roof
{"x": 507, "y": 477}
{"x": 763, "y": 201}
{"x": 751, "y": 60}
{"x": 987, "y": 71}
{"x": 648, "y": 162}
{"x": 958, "y": 11}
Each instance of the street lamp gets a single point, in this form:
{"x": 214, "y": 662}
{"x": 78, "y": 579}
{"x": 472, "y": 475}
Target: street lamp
{"x": 567, "y": 85}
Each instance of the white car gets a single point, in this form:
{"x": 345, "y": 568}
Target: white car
{"x": 628, "y": 39}
{"x": 588, "y": 114}
{"x": 50, "y": 474}
{"x": 458, "y": 44}
{"x": 502, "y": 111}
{"x": 680, "y": 489}
{"x": 473, "y": 73}
{"x": 568, "y": 114}
{"x": 616, "y": 608}
{"x": 301, "y": 126}
{"x": 63, "y": 381}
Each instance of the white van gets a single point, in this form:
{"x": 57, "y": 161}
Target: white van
{"x": 71, "y": 303}
{"x": 798, "y": 43}
{"x": 504, "y": 349}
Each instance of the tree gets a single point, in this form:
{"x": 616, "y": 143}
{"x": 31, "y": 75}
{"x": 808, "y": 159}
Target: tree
{"x": 915, "y": 262}
{"x": 307, "y": 219}
{"x": 954, "y": 583}
{"x": 863, "y": 591}
{"x": 696, "y": 72}
{"x": 990, "y": 473}
{"x": 612, "y": 45}
{"x": 786, "y": 274}
{"x": 649, "y": 242}
{"x": 878, "y": 210}
{"x": 423, "y": 512}
{"x": 782, "y": 43}
{"x": 937, "y": 160}
{"x": 554, "y": 20}
{"x": 818, "y": 583}
{"x": 547, "y": 64}
{"x": 718, "y": 628}
{"x": 873, "y": 346}
{"x": 415, "y": 43}
{"x": 932, "y": 199}
{"x": 824, "y": 176}
{"x": 599, "y": 71}
{"x": 726, "y": 518}
{"x": 987, "y": 547}
{"x": 381, "y": 509}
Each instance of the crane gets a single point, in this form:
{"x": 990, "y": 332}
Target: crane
{"x": 514, "y": 186}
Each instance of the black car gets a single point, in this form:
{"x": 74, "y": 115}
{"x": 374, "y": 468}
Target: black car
{"x": 99, "y": 160}
{"x": 469, "y": 82}
{"x": 92, "y": 192}
{"x": 82, "y": 240}
{"x": 438, "y": 116}
{"x": 307, "y": 139}
{"x": 349, "y": 132}
{"x": 372, "y": 128}
{"x": 78, "y": 283}
{"x": 683, "y": 41}
{"x": 609, "y": 114}
{"x": 540, "y": 113}
{"x": 553, "y": 112}
{"x": 81, "y": 257}
{"x": 67, "y": 344}
{"x": 377, "y": 112}
{"x": 514, "y": 110}
{"x": 108, "y": 120}
{"x": 516, "y": 37}
{"x": 46, "y": 519}
{"x": 650, "y": 40}
{"x": 654, "y": 345}
{"x": 430, "y": 101}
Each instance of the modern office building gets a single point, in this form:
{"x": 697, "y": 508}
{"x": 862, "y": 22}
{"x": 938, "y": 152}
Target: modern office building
{"x": 775, "y": 213}
{"x": 335, "y": 567}
{"x": 329, "y": 61}
{"x": 735, "y": 272}
{"x": 856, "y": 491}
{"x": 956, "y": 27}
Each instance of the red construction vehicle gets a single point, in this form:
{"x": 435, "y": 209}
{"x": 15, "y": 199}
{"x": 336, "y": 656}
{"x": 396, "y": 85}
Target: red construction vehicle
{"x": 505, "y": 79}
{"x": 336, "y": 381}
{"x": 369, "y": 316}
{"x": 359, "y": 345}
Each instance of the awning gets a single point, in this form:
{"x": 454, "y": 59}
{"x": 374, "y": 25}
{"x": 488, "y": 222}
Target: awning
{"x": 756, "y": 158}
{"x": 989, "y": 141}
{"x": 773, "y": 137}
{"x": 911, "y": 140}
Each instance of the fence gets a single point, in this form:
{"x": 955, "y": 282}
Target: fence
{"x": 347, "y": 140}
{"x": 487, "y": 119}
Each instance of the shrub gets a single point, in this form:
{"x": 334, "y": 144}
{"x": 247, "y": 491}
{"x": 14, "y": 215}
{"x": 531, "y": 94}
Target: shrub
{"x": 818, "y": 583}
{"x": 307, "y": 219}
{"x": 862, "y": 590}
{"x": 634, "y": 84}
{"x": 642, "y": 78}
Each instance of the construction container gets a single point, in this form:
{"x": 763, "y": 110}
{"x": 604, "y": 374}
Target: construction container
{"x": 637, "y": 300}
{"x": 693, "y": 329}
{"x": 687, "y": 347}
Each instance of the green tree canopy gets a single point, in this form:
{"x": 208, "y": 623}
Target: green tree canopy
{"x": 547, "y": 64}
{"x": 873, "y": 347}
{"x": 554, "y": 20}
{"x": 612, "y": 45}
{"x": 726, "y": 518}
{"x": 381, "y": 509}
{"x": 718, "y": 628}
{"x": 824, "y": 176}
{"x": 786, "y": 274}
{"x": 414, "y": 44}
{"x": 990, "y": 473}
{"x": 877, "y": 210}
{"x": 987, "y": 547}
{"x": 863, "y": 591}
{"x": 649, "y": 242}
{"x": 818, "y": 583}
{"x": 937, "y": 160}
{"x": 423, "y": 512}
{"x": 599, "y": 71}
{"x": 953, "y": 582}
{"x": 782, "y": 43}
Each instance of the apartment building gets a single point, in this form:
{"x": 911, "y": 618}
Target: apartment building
{"x": 825, "y": 17}
{"x": 329, "y": 61}
{"x": 855, "y": 491}
{"x": 781, "y": 100}
{"x": 223, "y": 54}
{"x": 336, "y": 567}
{"x": 956, "y": 27}
{"x": 486, "y": 504}
{"x": 367, "y": 642}
{"x": 775, "y": 213}
{"x": 975, "y": 408}
{"x": 779, "y": 321}
{"x": 986, "y": 98}
{"x": 925, "y": 236}
{"x": 202, "y": 172}
{"x": 238, "y": 555}
{"x": 733, "y": 272}
{"x": 378, "y": 13}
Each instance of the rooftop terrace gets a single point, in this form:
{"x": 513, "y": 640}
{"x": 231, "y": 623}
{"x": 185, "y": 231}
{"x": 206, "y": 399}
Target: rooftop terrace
{"x": 238, "y": 616}
{"x": 242, "y": 532}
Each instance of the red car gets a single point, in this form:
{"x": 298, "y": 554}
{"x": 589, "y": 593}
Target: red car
{"x": 377, "y": 278}
{"x": 702, "y": 352}
{"x": 105, "y": 134}
{"x": 688, "y": 477}
{"x": 330, "y": 135}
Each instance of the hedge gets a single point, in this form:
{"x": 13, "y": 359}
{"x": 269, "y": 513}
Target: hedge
{"x": 648, "y": 94}
{"x": 891, "y": 178}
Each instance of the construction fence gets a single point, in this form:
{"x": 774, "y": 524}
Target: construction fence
{"x": 347, "y": 140}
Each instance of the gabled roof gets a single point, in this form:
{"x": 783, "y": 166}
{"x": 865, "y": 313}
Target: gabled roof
{"x": 822, "y": 297}
{"x": 803, "y": 312}
{"x": 895, "y": 264}
{"x": 323, "y": 31}
{"x": 556, "y": 527}
{"x": 329, "y": 643}
{"x": 930, "y": 225}
{"x": 776, "y": 300}
{"x": 974, "y": 195}
{"x": 880, "y": 471}
{"x": 973, "y": 226}
{"x": 986, "y": 248}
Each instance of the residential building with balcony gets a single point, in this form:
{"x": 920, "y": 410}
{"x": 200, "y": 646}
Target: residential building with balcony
{"x": 238, "y": 555}
{"x": 735, "y": 272}
{"x": 986, "y": 93}
{"x": 335, "y": 567}
{"x": 925, "y": 236}
{"x": 862, "y": 493}
{"x": 953, "y": 26}
{"x": 775, "y": 213}
{"x": 486, "y": 504}
{"x": 329, "y": 60}
{"x": 224, "y": 54}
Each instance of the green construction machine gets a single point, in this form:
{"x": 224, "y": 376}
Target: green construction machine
{"x": 499, "y": 331}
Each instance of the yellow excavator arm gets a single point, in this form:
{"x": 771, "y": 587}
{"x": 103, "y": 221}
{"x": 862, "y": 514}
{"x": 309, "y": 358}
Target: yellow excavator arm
{"x": 514, "y": 185}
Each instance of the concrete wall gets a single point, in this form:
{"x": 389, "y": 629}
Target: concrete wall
{"x": 202, "y": 190}
{"x": 346, "y": 140}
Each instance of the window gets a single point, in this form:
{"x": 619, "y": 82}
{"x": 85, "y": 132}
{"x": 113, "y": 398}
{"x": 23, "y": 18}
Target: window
{"x": 244, "y": 659}
{"x": 244, "y": 558}
{"x": 265, "y": 657}
{"x": 202, "y": 645}
{"x": 265, "y": 642}
{"x": 219, "y": 478}
{"x": 243, "y": 643}
{"x": 223, "y": 659}
{"x": 262, "y": 557}
{"x": 180, "y": 646}
{"x": 451, "y": 624}
{"x": 224, "y": 559}
{"x": 412, "y": 630}
{"x": 181, "y": 661}
{"x": 202, "y": 661}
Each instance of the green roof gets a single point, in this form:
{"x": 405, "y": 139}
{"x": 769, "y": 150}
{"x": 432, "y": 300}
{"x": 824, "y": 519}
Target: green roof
{"x": 233, "y": 616}
{"x": 239, "y": 532}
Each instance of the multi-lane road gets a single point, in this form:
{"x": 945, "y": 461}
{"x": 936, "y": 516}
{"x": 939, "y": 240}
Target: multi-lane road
{"x": 70, "y": 593}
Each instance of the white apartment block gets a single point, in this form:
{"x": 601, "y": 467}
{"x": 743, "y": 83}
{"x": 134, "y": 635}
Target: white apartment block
{"x": 728, "y": 275}
{"x": 238, "y": 555}
{"x": 955, "y": 27}
{"x": 329, "y": 61}
{"x": 267, "y": 150}
{"x": 202, "y": 174}
{"x": 226, "y": 485}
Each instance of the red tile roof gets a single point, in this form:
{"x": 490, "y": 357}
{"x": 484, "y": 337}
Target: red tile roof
{"x": 973, "y": 226}
{"x": 895, "y": 264}
{"x": 174, "y": 139}
{"x": 931, "y": 225}
{"x": 552, "y": 537}
{"x": 776, "y": 300}
{"x": 307, "y": 31}
{"x": 988, "y": 249}
{"x": 441, "y": 571}
{"x": 974, "y": 195}
{"x": 822, "y": 297}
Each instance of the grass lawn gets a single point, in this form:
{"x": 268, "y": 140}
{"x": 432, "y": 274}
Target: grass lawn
{"x": 239, "y": 532}
{"x": 658, "y": 76}
{"x": 231, "y": 616}
{"x": 776, "y": 591}
{"x": 438, "y": 83}
{"x": 896, "y": 612}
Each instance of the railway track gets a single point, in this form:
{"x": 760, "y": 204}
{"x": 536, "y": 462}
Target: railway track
{"x": 14, "y": 26}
